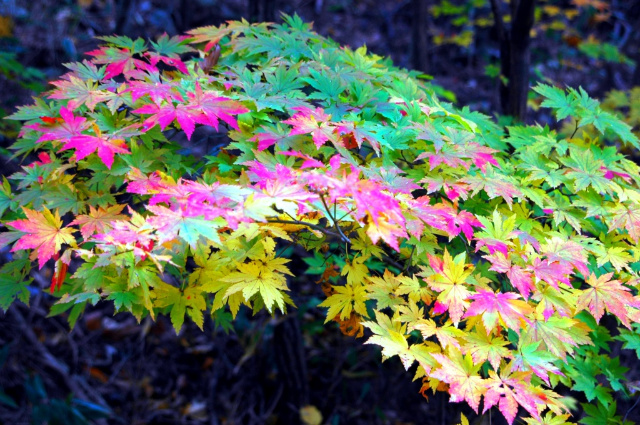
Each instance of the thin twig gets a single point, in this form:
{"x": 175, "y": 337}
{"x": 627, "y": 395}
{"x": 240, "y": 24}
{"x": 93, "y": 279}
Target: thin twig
{"x": 304, "y": 223}
{"x": 335, "y": 222}
{"x": 630, "y": 409}
{"x": 574, "y": 131}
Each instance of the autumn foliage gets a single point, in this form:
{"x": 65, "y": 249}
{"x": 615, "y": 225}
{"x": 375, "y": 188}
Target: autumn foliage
{"x": 171, "y": 175}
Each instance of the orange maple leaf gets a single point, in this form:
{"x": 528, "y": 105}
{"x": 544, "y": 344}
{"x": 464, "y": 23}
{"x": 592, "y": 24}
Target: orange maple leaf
{"x": 43, "y": 233}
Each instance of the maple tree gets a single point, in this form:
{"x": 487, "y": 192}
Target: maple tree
{"x": 485, "y": 256}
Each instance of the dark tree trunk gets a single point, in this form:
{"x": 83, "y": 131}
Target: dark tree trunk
{"x": 515, "y": 55}
{"x": 520, "y": 57}
{"x": 262, "y": 11}
{"x": 292, "y": 369}
{"x": 635, "y": 80}
{"x": 421, "y": 35}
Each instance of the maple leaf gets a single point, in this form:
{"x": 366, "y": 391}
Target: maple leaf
{"x": 79, "y": 92}
{"x": 462, "y": 376}
{"x": 559, "y": 299}
{"x": 106, "y": 146}
{"x": 166, "y": 114}
{"x": 451, "y": 185}
{"x": 346, "y": 299}
{"x": 448, "y": 155}
{"x": 606, "y": 294}
{"x": 190, "y": 301}
{"x": 550, "y": 419}
{"x": 510, "y": 389}
{"x": 391, "y": 336}
{"x": 480, "y": 155}
{"x": 496, "y": 234}
{"x": 449, "y": 281}
{"x": 494, "y": 185}
{"x": 156, "y": 89}
{"x": 556, "y": 99}
{"x": 207, "y": 107}
{"x": 540, "y": 362}
{"x": 447, "y": 334}
{"x": 384, "y": 290}
{"x": 503, "y": 306}
{"x": 360, "y": 132}
{"x": 43, "y": 232}
{"x": 210, "y": 35}
{"x": 63, "y": 131}
{"x": 98, "y": 220}
{"x": 558, "y": 335}
{"x": 265, "y": 277}
{"x": 383, "y": 229}
{"x": 520, "y": 279}
{"x": 484, "y": 347}
{"x": 168, "y": 50}
{"x": 316, "y": 123}
{"x": 627, "y": 216}
{"x": 118, "y": 60}
{"x": 170, "y": 223}
{"x": 552, "y": 272}
{"x": 566, "y": 252}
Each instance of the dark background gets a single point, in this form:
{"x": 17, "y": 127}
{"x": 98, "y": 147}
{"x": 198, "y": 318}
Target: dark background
{"x": 144, "y": 373}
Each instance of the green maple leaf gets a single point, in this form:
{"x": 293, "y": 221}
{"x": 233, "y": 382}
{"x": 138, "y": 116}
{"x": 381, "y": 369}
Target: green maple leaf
{"x": 586, "y": 171}
{"x": 557, "y": 99}
{"x": 604, "y": 121}
{"x": 12, "y": 288}
{"x": 600, "y": 414}
{"x": 631, "y": 338}
{"x": 540, "y": 362}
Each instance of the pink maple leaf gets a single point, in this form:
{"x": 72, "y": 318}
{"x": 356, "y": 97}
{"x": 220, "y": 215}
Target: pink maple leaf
{"x": 316, "y": 123}
{"x": 107, "y": 147}
{"x": 62, "y": 131}
{"x": 207, "y": 108}
{"x": 119, "y": 61}
{"x": 166, "y": 114}
{"x": 505, "y": 306}
{"x": 508, "y": 390}
{"x": 449, "y": 155}
{"x": 552, "y": 272}
{"x": 520, "y": 278}
{"x": 156, "y": 90}
{"x": 566, "y": 252}
{"x": 480, "y": 155}
{"x": 465, "y": 222}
